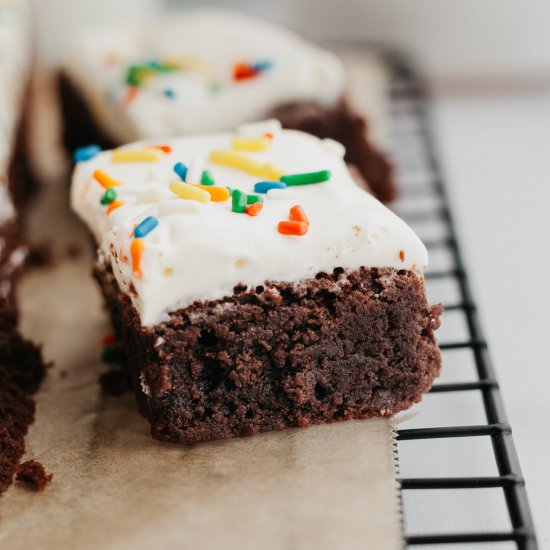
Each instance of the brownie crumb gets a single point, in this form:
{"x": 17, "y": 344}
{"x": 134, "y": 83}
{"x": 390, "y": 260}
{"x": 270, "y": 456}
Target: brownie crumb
{"x": 74, "y": 251}
{"x": 40, "y": 255}
{"x": 33, "y": 474}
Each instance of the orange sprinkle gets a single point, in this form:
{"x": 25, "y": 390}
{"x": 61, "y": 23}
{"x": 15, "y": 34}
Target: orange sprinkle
{"x": 292, "y": 228}
{"x": 254, "y": 209}
{"x": 104, "y": 179}
{"x": 136, "y": 250}
{"x": 242, "y": 71}
{"x": 297, "y": 214}
{"x": 113, "y": 206}
{"x": 217, "y": 194}
{"x": 269, "y": 135}
{"x": 108, "y": 340}
{"x": 131, "y": 94}
{"x": 165, "y": 148}
{"x": 402, "y": 255}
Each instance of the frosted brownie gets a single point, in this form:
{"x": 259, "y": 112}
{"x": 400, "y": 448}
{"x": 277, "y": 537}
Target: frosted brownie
{"x": 208, "y": 71}
{"x": 21, "y": 367}
{"x": 254, "y": 285}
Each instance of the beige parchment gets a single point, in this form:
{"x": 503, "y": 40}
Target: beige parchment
{"x": 114, "y": 487}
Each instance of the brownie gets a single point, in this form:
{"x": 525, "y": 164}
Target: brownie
{"x": 343, "y": 345}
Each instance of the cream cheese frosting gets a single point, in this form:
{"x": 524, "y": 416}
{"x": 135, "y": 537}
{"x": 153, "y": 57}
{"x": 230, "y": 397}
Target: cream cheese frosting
{"x": 202, "y": 250}
{"x": 201, "y": 71}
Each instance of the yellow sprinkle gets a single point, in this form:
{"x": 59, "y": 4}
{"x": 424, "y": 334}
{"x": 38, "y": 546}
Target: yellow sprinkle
{"x": 244, "y": 144}
{"x": 244, "y": 163}
{"x": 187, "y": 191}
{"x": 137, "y": 155}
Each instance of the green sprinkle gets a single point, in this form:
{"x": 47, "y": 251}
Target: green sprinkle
{"x": 239, "y": 201}
{"x": 109, "y": 196}
{"x": 133, "y": 75}
{"x": 206, "y": 178}
{"x": 306, "y": 178}
{"x": 108, "y": 355}
{"x": 251, "y": 199}
{"x": 215, "y": 88}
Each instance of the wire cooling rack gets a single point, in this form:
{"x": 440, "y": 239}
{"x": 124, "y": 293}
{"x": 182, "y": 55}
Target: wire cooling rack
{"x": 424, "y": 203}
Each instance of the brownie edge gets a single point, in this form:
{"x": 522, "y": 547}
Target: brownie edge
{"x": 340, "y": 346}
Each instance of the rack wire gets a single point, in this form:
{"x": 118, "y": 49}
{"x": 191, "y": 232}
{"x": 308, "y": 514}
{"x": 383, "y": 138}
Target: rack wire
{"x": 412, "y": 142}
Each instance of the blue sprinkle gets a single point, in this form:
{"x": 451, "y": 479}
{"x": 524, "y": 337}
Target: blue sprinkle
{"x": 145, "y": 227}
{"x": 262, "y": 66}
{"x": 169, "y": 93}
{"x": 181, "y": 170}
{"x": 265, "y": 186}
{"x": 86, "y": 153}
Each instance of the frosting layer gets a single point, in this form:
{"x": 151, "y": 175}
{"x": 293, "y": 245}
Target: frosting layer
{"x": 201, "y": 71}
{"x": 202, "y": 246}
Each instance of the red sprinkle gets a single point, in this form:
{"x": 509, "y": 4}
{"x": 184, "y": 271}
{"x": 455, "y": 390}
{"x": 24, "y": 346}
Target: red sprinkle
{"x": 292, "y": 228}
{"x": 254, "y": 209}
{"x": 165, "y": 148}
{"x": 297, "y": 214}
{"x": 108, "y": 340}
{"x": 242, "y": 71}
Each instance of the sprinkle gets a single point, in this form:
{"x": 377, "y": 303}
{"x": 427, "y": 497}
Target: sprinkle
{"x": 265, "y": 186}
{"x": 133, "y": 75}
{"x": 297, "y": 214}
{"x": 138, "y": 155}
{"x": 170, "y": 94}
{"x": 254, "y": 209}
{"x": 109, "y": 354}
{"x": 86, "y": 153}
{"x": 245, "y": 144}
{"x": 108, "y": 340}
{"x": 402, "y": 255}
{"x": 165, "y": 148}
{"x": 217, "y": 194}
{"x": 122, "y": 256}
{"x": 252, "y": 199}
{"x": 239, "y": 201}
{"x": 206, "y": 178}
{"x": 108, "y": 197}
{"x": 262, "y": 66}
{"x": 145, "y": 227}
{"x": 190, "y": 192}
{"x": 104, "y": 179}
{"x": 136, "y": 250}
{"x": 244, "y": 163}
{"x": 181, "y": 170}
{"x": 131, "y": 94}
{"x": 269, "y": 135}
{"x": 242, "y": 71}
{"x": 113, "y": 206}
{"x": 292, "y": 228}
{"x": 306, "y": 178}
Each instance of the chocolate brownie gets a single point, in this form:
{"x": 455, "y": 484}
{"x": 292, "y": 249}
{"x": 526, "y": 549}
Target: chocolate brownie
{"x": 294, "y": 298}
{"x": 33, "y": 474}
{"x": 248, "y": 69}
{"x": 21, "y": 366}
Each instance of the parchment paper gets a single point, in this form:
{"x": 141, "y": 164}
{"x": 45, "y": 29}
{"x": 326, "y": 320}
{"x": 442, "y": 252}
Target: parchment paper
{"x": 114, "y": 487}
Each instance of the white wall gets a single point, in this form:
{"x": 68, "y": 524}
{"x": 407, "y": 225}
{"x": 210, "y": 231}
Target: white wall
{"x": 451, "y": 38}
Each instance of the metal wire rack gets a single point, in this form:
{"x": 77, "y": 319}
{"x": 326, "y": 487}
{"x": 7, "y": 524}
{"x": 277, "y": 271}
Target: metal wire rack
{"x": 413, "y": 150}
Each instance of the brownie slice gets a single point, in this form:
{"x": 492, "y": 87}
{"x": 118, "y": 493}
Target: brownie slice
{"x": 342, "y": 124}
{"x": 340, "y": 346}
{"x": 339, "y": 122}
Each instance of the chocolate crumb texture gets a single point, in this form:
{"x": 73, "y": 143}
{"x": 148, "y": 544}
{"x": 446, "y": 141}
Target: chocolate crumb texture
{"x": 33, "y": 474}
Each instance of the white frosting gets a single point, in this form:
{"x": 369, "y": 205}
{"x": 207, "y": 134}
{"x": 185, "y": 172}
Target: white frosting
{"x": 206, "y": 98}
{"x": 201, "y": 251}
{"x": 14, "y": 65}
